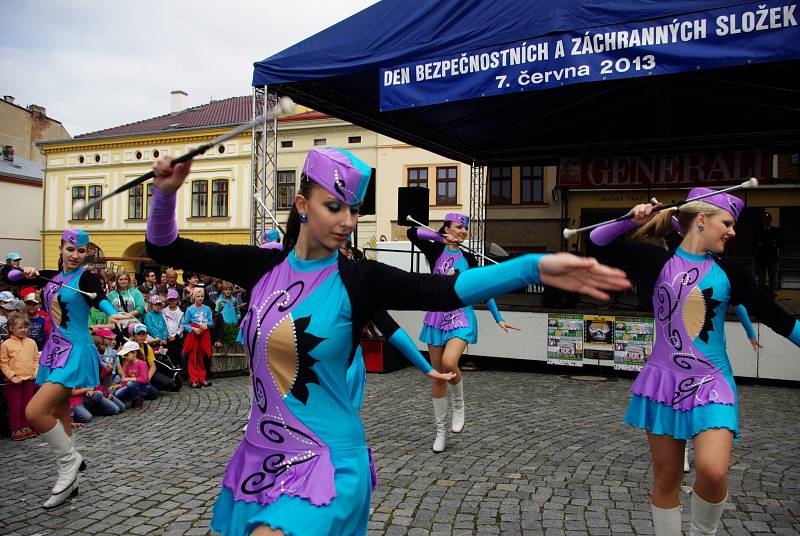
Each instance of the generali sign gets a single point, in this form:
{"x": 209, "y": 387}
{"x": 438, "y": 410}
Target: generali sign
{"x": 664, "y": 170}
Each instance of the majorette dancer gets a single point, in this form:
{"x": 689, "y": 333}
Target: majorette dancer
{"x": 447, "y": 334}
{"x": 303, "y": 466}
{"x": 686, "y": 389}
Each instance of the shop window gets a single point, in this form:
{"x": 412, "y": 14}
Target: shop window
{"x": 500, "y": 185}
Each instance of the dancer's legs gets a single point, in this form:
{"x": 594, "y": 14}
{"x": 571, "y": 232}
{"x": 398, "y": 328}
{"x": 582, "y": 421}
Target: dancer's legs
{"x": 667, "y": 455}
{"x": 452, "y": 354}
{"x": 712, "y": 453}
{"x": 438, "y": 387}
{"x": 49, "y": 405}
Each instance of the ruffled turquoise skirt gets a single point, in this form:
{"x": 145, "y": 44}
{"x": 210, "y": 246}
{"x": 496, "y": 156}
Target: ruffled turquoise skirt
{"x": 346, "y": 515}
{"x": 438, "y": 337}
{"x": 661, "y": 419}
{"x": 82, "y": 368}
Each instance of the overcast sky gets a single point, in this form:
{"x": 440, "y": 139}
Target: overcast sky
{"x": 95, "y": 64}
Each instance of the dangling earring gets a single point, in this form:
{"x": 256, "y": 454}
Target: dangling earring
{"x": 701, "y": 227}
{"x": 303, "y": 217}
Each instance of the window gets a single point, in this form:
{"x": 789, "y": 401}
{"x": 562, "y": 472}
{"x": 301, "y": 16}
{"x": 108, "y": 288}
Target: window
{"x": 286, "y": 144}
{"x": 96, "y": 212}
{"x": 418, "y": 177}
{"x": 149, "y": 197}
{"x": 219, "y": 198}
{"x": 500, "y": 184}
{"x": 354, "y": 139}
{"x": 320, "y": 141}
{"x": 135, "y": 202}
{"x": 79, "y": 199}
{"x": 199, "y": 199}
{"x": 532, "y": 184}
{"x": 446, "y": 184}
{"x": 286, "y": 185}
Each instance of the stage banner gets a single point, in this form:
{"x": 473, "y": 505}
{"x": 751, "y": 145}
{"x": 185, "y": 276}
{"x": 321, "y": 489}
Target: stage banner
{"x": 598, "y": 333}
{"x": 724, "y": 37}
{"x": 633, "y": 342}
{"x": 565, "y": 339}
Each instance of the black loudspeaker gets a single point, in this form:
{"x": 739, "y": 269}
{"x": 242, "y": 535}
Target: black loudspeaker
{"x": 412, "y": 201}
{"x": 368, "y": 205}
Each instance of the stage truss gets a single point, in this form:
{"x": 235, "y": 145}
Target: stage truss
{"x": 264, "y": 164}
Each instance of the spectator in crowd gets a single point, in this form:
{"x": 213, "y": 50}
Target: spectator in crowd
{"x": 173, "y": 317}
{"x": 19, "y": 362}
{"x": 227, "y": 304}
{"x": 134, "y": 376}
{"x": 106, "y": 341}
{"x": 190, "y": 281}
{"x": 98, "y": 319}
{"x": 138, "y": 333}
{"x": 155, "y": 322}
{"x": 110, "y": 281}
{"x": 149, "y": 287}
{"x": 158, "y": 380}
{"x": 12, "y": 261}
{"x": 162, "y": 279}
{"x": 127, "y": 299}
{"x": 171, "y": 283}
{"x": 39, "y": 326}
{"x": 768, "y": 243}
{"x": 211, "y": 287}
{"x": 196, "y": 322}
{"x": 87, "y": 403}
{"x": 6, "y": 308}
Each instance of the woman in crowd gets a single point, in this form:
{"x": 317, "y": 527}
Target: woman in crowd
{"x": 303, "y": 467}
{"x": 686, "y": 390}
{"x": 126, "y": 299}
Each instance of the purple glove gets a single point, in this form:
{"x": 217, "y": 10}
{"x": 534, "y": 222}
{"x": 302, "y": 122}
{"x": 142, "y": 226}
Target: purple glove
{"x": 162, "y": 227}
{"x": 604, "y": 235}
{"x": 427, "y": 234}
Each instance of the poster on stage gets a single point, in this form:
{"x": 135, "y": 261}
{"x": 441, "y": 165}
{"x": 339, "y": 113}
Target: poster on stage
{"x": 633, "y": 342}
{"x": 598, "y": 332}
{"x": 565, "y": 339}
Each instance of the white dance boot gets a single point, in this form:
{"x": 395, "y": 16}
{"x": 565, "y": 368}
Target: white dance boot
{"x": 69, "y": 463}
{"x": 686, "y": 458}
{"x": 666, "y": 521}
{"x": 705, "y": 516}
{"x": 457, "y": 393}
{"x": 440, "y": 406}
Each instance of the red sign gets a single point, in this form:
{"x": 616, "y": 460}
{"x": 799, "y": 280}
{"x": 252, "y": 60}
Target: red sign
{"x": 664, "y": 170}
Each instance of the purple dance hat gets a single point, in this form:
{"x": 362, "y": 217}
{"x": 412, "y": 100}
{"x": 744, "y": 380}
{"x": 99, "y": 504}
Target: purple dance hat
{"x": 728, "y": 202}
{"x": 340, "y": 172}
{"x": 76, "y": 237}
{"x": 458, "y": 218}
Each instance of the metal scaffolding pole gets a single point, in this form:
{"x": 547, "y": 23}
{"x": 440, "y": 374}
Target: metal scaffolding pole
{"x": 265, "y": 162}
{"x": 477, "y": 209}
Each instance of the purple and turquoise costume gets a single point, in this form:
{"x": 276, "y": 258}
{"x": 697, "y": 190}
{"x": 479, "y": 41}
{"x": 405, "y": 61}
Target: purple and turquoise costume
{"x": 69, "y": 356}
{"x": 303, "y": 466}
{"x": 439, "y": 327}
{"x": 687, "y": 385}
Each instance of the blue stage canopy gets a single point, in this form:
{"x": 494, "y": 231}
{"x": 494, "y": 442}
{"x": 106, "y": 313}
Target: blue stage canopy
{"x": 482, "y": 80}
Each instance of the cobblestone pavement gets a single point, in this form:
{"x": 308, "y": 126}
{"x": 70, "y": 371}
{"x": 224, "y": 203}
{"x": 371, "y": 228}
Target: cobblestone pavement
{"x": 541, "y": 454}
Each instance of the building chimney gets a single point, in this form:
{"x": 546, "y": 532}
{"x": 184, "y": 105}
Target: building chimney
{"x": 8, "y": 153}
{"x": 179, "y": 101}
{"x": 8, "y": 98}
{"x": 36, "y": 109}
